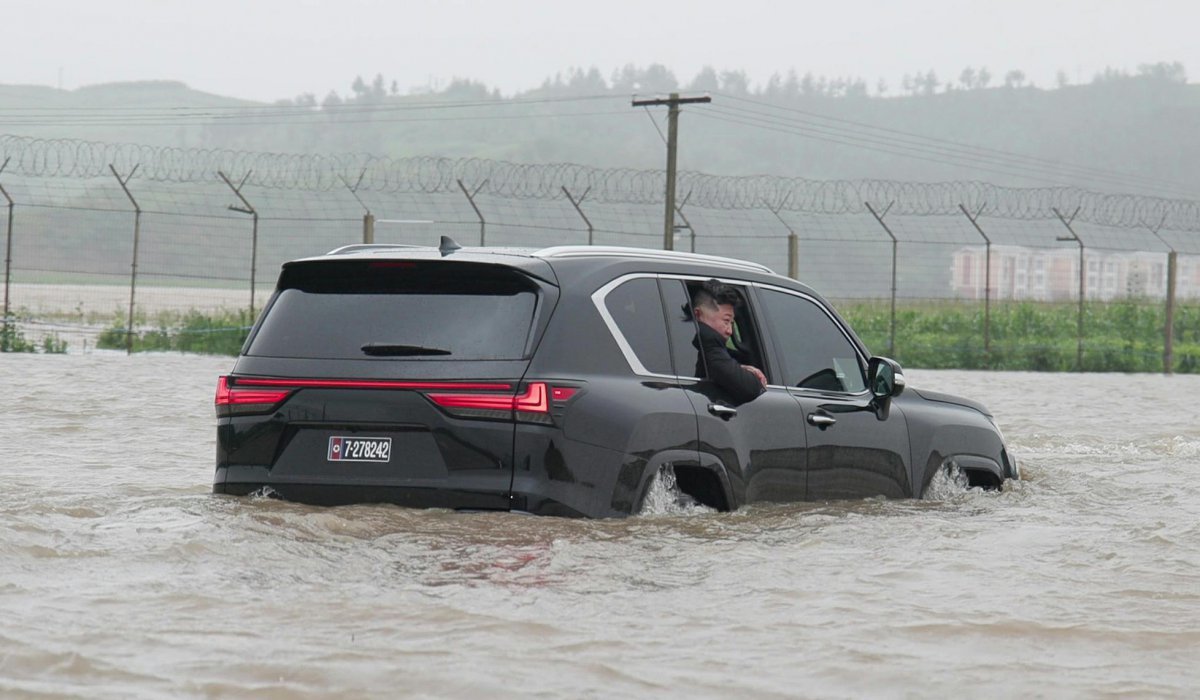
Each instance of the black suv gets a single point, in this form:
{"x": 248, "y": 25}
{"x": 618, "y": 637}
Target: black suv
{"x": 562, "y": 381}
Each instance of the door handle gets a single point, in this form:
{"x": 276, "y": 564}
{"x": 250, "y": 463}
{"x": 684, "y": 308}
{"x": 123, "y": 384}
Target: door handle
{"x": 821, "y": 420}
{"x": 722, "y": 411}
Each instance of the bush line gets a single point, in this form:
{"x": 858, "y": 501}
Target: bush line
{"x": 1123, "y": 336}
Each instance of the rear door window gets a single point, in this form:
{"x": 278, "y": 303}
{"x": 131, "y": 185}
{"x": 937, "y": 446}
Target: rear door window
{"x": 636, "y": 308}
{"x": 399, "y": 309}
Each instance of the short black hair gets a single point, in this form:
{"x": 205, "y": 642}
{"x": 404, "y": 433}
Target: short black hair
{"x": 713, "y": 293}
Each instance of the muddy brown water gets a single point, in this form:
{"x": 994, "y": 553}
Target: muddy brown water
{"x": 121, "y": 576}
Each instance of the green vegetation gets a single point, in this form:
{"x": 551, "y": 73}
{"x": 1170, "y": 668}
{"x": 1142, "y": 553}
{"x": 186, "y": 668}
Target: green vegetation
{"x": 221, "y": 333}
{"x": 13, "y": 340}
{"x": 1118, "y": 337}
{"x": 1124, "y": 336}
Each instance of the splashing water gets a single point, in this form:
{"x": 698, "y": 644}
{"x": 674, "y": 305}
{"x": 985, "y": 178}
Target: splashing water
{"x": 948, "y": 483}
{"x": 664, "y": 497}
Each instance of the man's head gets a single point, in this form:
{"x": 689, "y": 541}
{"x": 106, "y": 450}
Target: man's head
{"x": 713, "y": 305}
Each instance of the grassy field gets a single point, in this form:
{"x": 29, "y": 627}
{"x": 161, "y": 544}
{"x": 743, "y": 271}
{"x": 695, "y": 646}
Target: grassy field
{"x": 1124, "y": 336}
{"x": 1118, "y": 337}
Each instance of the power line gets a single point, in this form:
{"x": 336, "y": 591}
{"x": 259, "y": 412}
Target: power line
{"x": 867, "y": 144}
{"x": 924, "y": 153}
{"x": 216, "y": 111}
{"x": 863, "y": 128}
{"x": 322, "y": 119}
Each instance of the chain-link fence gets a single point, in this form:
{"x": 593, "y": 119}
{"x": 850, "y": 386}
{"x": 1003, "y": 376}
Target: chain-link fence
{"x": 118, "y": 239}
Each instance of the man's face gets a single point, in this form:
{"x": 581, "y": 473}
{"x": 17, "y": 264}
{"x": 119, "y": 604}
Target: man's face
{"x": 720, "y": 320}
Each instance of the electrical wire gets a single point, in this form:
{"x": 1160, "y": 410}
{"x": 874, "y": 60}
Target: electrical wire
{"x": 857, "y": 130}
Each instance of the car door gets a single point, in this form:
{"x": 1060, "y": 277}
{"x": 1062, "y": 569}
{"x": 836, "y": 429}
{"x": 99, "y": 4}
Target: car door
{"x": 760, "y": 443}
{"x": 853, "y": 450}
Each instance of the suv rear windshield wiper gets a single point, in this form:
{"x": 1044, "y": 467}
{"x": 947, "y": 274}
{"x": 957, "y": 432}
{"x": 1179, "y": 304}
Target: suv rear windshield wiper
{"x": 394, "y": 350}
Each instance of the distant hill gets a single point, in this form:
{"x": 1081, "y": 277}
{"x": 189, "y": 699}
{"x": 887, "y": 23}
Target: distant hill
{"x": 131, "y": 112}
{"x": 1122, "y": 133}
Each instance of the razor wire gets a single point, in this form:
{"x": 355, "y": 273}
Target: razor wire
{"x": 69, "y": 158}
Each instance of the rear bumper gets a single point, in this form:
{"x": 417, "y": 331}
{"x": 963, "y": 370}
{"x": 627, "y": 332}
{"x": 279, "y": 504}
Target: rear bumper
{"x": 244, "y": 481}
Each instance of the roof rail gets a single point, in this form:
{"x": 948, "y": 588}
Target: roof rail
{"x": 360, "y": 247}
{"x": 583, "y": 251}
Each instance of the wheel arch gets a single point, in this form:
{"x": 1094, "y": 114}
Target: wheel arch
{"x": 701, "y": 476}
{"x": 980, "y": 471}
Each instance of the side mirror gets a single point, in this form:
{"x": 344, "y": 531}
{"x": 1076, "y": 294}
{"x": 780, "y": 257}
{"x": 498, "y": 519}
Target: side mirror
{"x": 886, "y": 380}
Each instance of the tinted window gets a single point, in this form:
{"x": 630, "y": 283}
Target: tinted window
{"x": 636, "y": 308}
{"x": 683, "y": 329}
{"x": 411, "y": 310}
{"x": 815, "y": 352}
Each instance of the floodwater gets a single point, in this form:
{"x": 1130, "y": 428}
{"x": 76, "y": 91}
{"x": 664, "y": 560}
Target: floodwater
{"x": 121, "y": 576}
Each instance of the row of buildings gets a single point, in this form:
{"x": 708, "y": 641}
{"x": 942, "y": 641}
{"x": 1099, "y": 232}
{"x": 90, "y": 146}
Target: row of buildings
{"x": 1052, "y": 274}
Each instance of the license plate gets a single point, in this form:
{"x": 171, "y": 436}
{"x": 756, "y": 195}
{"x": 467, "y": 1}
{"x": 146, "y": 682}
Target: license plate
{"x": 356, "y": 449}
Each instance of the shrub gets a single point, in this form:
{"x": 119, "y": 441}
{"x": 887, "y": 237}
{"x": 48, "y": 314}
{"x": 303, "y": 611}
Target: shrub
{"x": 221, "y": 333}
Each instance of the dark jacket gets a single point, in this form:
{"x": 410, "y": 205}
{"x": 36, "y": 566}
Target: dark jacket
{"x": 715, "y": 363}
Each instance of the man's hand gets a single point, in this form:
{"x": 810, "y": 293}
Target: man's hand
{"x": 757, "y": 373}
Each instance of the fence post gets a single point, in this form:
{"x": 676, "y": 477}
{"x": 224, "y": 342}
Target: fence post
{"x": 137, "y": 232}
{"x": 7, "y": 257}
{"x": 987, "y": 283}
{"x": 1169, "y": 326}
{"x": 368, "y": 230}
{"x": 895, "y": 243}
{"x": 686, "y": 224}
{"x": 1082, "y": 284}
{"x": 471, "y": 198}
{"x": 246, "y": 209}
{"x": 576, "y": 203}
{"x": 793, "y": 239}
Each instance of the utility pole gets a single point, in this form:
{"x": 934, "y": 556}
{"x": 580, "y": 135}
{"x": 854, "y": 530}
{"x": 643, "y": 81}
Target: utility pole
{"x": 672, "y": 104}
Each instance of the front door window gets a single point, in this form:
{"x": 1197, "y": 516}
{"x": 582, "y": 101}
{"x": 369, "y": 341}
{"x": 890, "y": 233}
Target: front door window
{"x": 816, "y": 354}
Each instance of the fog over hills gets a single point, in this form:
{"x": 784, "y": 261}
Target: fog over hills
{"x": 1121, "y": 132}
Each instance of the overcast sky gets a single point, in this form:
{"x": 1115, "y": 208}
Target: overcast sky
{"x": 271, "y": 49}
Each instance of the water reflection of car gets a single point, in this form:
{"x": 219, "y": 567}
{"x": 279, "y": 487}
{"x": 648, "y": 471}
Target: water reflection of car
{"x": 560, "y": 381}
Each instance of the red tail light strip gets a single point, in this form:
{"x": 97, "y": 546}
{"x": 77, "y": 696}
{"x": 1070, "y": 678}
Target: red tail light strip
{"x": 369, "y": 384}
{"x": 534, "y": 400}
{"x": 229, "y": 396}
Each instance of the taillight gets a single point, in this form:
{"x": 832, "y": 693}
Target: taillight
{"x": 532, "y": 405}
{"x": 232, "y": 399}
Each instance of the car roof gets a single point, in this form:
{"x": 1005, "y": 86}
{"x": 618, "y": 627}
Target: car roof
{"x": 578, "y": 252}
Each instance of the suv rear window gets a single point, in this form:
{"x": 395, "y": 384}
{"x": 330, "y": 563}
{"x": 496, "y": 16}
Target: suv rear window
{"x": 398, "y": 309}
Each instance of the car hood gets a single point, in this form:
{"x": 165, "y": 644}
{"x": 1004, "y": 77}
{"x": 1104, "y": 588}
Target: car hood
{"x": 952, "y": 399}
